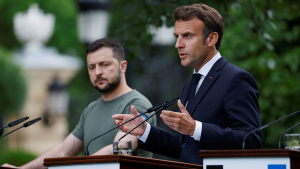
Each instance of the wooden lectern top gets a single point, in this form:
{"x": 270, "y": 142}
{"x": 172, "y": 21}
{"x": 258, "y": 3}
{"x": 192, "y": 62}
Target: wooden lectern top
{"x": 132, "y": 162}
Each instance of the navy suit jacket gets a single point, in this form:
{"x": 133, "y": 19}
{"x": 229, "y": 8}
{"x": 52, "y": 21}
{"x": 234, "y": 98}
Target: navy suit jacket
{"x": 226, "y": 104}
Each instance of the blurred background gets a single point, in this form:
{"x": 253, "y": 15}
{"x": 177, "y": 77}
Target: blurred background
{"x": 43, "y": 69}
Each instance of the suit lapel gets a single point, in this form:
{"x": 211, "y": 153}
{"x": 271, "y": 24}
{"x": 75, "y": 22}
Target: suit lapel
{"x": 185, "y": 93}
{"x": 211, "y": 77}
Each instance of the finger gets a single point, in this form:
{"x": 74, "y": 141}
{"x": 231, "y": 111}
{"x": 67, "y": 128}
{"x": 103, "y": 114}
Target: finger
{"x": 164, "y": 120}
{"x": 168, "y": 123}
{"x": 118, "y": 116}
{"x": 133, "y": 111}
{"x": 167, "y": 119}
{"x": 117, "y": 122}
{"x": 171, "y": 113}
{"x": 181, "y": 107}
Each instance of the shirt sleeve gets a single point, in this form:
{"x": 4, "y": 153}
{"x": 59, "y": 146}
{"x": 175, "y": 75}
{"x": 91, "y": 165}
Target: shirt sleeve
{"x": 144, "y": 137}
{"x": 79, "y": 129}
{"x": 198, "y": 131}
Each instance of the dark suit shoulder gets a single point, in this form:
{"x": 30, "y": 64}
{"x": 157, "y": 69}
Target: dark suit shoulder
{"x": 233, "y": 71}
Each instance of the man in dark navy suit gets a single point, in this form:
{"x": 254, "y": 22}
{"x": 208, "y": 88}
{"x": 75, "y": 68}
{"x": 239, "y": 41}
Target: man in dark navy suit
{"x": 218, "y": 106}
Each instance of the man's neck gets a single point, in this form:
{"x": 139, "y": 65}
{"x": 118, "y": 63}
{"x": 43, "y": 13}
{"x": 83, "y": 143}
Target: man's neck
{"x": 209, "y": 56}
{"x": 119, "y": 91}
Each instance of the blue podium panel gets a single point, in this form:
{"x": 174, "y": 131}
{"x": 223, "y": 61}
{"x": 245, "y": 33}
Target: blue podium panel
{"x": 276, "y": 166}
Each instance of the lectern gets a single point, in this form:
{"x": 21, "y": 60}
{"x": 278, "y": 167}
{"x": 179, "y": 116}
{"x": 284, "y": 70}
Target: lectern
{"x": 114, "y": 162}
{"x": 250, "y": 159}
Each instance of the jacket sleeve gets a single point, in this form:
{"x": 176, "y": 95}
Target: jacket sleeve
{"x": 162, "y": 142}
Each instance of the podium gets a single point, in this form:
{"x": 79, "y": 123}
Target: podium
{"x": 246, "y": 159}
{"x": 114, "y": 162}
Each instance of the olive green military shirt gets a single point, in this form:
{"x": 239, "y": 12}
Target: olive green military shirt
{"x": 97, "y": 119}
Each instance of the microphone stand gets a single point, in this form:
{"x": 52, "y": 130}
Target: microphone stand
{"x": 260, "y": 128}
{"x": 11, "y": 131}
{"x": 24, "y": 125}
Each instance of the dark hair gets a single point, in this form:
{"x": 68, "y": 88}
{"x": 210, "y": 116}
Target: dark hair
{"x": 118, "y": 51}
{"x": 212, "y": 20}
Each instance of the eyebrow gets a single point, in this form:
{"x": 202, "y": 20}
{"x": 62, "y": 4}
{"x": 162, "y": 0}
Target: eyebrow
{"x": 184, "y": 33}
{"x": 101, "y": 62}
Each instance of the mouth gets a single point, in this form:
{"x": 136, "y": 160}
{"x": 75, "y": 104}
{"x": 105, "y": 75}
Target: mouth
{"x": 100, "y": 81}
{"x": 182, "y": 55}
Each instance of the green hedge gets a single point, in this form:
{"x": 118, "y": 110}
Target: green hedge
{"x": 15, "y": 157}
{"x": 12, "y": 84}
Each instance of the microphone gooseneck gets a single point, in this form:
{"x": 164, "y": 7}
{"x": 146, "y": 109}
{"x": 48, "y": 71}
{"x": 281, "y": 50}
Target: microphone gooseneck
{"x": 260, "y": 128}
{"x": 147, "y": 111}
{"x": 24, "y": 125}
{"x": 164, "y": 106}
{"x": 11, "y": 124}
{"x": 279, "y": 145}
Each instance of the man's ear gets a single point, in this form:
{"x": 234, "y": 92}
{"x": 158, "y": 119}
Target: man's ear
{"x": 123, "y": 65}
{"x": 212, "y": 39}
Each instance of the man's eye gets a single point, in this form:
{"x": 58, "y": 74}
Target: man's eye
{"x": 91, "y": 68}
{"x": 187, "y": 35}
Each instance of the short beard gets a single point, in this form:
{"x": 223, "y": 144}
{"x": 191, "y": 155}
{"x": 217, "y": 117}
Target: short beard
{"x": 110, "y": 86}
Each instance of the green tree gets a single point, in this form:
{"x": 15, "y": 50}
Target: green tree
{"x": 12, "y": 84}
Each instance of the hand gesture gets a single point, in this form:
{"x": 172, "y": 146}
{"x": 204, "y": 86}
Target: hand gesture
{"x": 181, "y": 122}
{"x": 121, "y": 118}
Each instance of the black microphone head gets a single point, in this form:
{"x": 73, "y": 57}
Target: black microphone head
{"x": 31, "y": 122}
{"x": 171, "y": 102}
{"x": 17, "y": 122}
{"x": 156, "y": 107}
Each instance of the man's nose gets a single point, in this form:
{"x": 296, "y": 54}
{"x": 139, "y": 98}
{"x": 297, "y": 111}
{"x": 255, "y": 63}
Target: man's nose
{"x": 98, "y": 70}
{"x": 179, "y": 43}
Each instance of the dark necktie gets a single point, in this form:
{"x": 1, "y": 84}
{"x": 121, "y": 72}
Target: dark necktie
{"x": 195, "y": 80}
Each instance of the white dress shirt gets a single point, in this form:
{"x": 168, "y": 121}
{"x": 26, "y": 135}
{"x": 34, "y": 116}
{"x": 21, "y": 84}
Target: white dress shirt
{"x": 203, "y": 71}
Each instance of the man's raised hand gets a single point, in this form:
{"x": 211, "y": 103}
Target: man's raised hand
{"x": 121, "y": 118}
{"x": 181, "y": 122}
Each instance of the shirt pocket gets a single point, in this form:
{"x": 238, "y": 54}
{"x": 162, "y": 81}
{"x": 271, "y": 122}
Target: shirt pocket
{"x": 207, "y": 105}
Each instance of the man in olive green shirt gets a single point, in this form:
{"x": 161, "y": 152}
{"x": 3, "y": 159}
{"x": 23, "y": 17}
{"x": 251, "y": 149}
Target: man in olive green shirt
{"x": 106, "y": 66}
{"x": 99, "y": 114}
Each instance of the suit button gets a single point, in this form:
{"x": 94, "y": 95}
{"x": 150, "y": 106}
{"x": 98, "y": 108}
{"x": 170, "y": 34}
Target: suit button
{"x": 184, "y": 145}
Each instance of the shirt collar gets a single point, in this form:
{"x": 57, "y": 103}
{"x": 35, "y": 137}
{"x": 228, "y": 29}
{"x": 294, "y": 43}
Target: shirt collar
{"x": 206, "y": 68}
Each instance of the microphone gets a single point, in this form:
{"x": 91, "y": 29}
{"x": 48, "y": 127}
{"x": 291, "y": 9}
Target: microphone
{"x": 147, "y": 111}
{"x": 163, "y": 107}
{"x": 24, "y": 125}
{"x": 11, "y": 124}
{"x": 279, "y": 146}
{"x": 262, "y": 127}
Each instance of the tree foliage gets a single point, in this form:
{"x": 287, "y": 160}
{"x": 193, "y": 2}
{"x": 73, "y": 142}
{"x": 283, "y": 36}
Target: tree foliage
{"x": 12, "y": 84}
